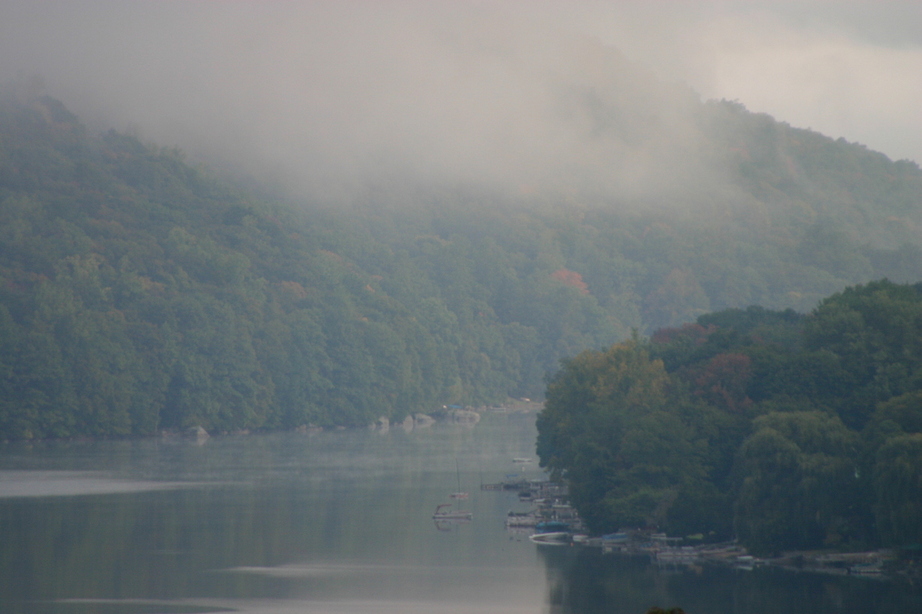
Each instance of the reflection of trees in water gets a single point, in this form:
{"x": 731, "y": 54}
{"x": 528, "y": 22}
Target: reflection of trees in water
{"x": 558, "y": 569}
{"x": 584, "y": 581}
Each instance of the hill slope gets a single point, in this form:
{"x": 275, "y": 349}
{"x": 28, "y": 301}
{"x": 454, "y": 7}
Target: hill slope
{"x": 140, "y": 293}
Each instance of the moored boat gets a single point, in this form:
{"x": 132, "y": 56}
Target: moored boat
{"x": 458, "y": 494}
{"x": 521, "y": 519}
{"x": 552, "y": 526}
{"x": 442, "y": 514}
{"x": 555, "y": 538}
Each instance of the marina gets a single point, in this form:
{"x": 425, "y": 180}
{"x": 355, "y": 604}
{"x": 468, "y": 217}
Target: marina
{"x": 554, "y": 522}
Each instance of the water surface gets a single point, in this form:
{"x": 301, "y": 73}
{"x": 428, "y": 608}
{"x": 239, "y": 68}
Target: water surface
{"x": 323, "y": 522}
{"x": 334, "y": 522}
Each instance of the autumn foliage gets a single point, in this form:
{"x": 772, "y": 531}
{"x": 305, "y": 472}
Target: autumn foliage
{"x": 571, "y": 278}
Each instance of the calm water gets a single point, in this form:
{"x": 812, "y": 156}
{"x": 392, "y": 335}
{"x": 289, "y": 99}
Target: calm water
{"x": 336, "y": 522}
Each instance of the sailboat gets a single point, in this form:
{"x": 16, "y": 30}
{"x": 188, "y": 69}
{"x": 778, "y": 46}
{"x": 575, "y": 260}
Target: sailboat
{"x": 445, "y": 512}
{"x": 458, "y": 494}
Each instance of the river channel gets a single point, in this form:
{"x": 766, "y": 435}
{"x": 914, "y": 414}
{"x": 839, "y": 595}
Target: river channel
{"x": 335, "y": 522}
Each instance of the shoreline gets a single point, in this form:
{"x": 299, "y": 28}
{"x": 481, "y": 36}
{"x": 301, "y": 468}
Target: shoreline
{"x": 883, "y": 564}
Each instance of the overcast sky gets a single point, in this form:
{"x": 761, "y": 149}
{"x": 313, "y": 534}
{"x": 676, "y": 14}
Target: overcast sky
{"x": 845, "y": 68}
{"x": 458, "y": 89}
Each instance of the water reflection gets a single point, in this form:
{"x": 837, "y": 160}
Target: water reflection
{"x": 37, "y": 483}
{"x": 335, "y": 522}
{"x": 584, "y": 581}
{"x": 316, "y": 522}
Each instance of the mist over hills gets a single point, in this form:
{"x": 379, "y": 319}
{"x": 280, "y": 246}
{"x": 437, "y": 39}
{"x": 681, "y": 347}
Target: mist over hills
{"x": 587, "y": 98}
{"x": 141, "y": 293}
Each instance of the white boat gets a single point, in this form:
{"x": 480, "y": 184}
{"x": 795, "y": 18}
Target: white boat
{"x": 442, "y": 514}
{"x": 557, "y": 538}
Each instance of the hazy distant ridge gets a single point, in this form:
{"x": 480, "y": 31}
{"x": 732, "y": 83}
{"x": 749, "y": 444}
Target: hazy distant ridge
{"x": 139, "y": 293}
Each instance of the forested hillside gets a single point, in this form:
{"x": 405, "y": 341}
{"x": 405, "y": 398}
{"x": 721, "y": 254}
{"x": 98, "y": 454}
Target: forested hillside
{"x": 782, "y": 430}
{"x": 139, "y": 292}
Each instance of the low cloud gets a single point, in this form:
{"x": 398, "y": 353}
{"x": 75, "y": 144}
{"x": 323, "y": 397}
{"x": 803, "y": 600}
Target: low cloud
{"x": 527, "y": 96}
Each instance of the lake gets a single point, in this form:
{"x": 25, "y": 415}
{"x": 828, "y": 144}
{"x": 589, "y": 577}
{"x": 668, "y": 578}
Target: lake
{"x": 334, "y": 522}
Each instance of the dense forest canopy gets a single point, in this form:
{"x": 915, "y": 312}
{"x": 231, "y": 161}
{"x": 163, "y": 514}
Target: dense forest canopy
{"x": 139, "y": 292}
{"x": 783, "y": 430}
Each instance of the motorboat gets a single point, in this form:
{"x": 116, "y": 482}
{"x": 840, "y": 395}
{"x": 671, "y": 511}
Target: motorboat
{"x": 556, "y": 538}
{"x": 552, "y": 526}
{"x": 521, "y": 519}
{"x": 441, "y": 513}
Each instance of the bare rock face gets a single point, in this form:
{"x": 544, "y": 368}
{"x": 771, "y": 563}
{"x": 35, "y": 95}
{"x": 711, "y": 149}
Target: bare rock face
{"x": 407, "y": 424}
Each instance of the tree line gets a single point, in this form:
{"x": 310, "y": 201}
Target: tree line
{"x": 783, "y": 430}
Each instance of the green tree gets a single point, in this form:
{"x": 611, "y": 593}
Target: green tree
{"x": 799, "y": 484}
{"x": 898, "y": 486}
{"x": 613, "y": 426}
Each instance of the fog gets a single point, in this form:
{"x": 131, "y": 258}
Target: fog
{"x": 594, "y": 97}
